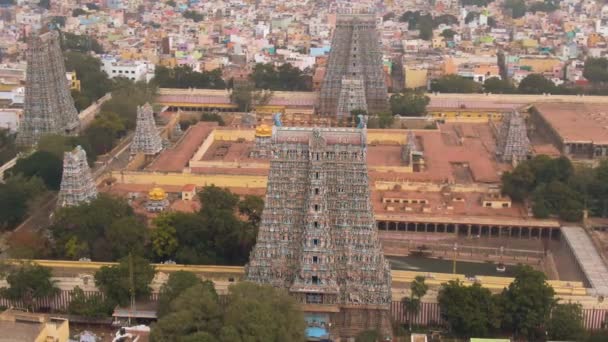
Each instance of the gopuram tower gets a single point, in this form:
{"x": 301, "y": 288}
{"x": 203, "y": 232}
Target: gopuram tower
{"x": 48, "y": 105}
{"x": 355, "y": 61}
{"x": 318, "y": 237}
{"x": 146, "y": 140}
{"x": 77, "y": 184}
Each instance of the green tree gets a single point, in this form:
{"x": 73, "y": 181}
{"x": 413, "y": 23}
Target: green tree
{"x": 566, "y": 322}
{"x": 368, "y": 336}
{"x": 426, "y": 25}
{"x": 164, "y": 237}
{"x": 454, "y": 84}
{"x": 185, "y": 77}
{"x": 79, "y": 231}
{"x": 516, "y": 8}
{"x": 411, "y": 304}
{"x": 527, "y": 303}
{"x": 496, "y": 85}
{"x": 16, "y": 195}
{"x": 536, "y": 84}
{"x": 46, "y": 4}
{"x": 448, "y": 34}
{"x": 596, "y": 69}
{"x": 194, "y": 315}
{"x": 409, "y": 103}
{"x": 177, "y": 284}
{"x": 78, "y": 12}
{"x": 194, "y": 15}
{"x": 115, "y": 281}
{"x": 80, "y": 43}
{"x": 242, "y": 96}
{"x": 91, "y": 306}
{"x": 252, "y": 207}
{"x": 262, "y": 313}
{"x": 385, "y": 120}
{"x": 128, "y": 235}
{"x": 94, "y": 82}
{"x": 285, "y": 77}
{"x": 28, "y": 283}
{"x": 43, "y": 165}
{"x": 468, "y": 310}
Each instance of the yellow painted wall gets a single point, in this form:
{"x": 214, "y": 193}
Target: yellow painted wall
{"x": 415, "y": 78}
{"x": 181, "y": 179}
{"x": 54, "y": 332}
{"x": 465, "y": 115}
{"x": 234, "y": 134}
{"x": 386, "y": 135}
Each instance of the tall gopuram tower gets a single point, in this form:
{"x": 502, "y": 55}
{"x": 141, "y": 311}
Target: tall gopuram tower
{"x": 355, "y": 55}
{"x": 48, "y": 105}
{"x": 77, "y": 185}
{"x": 147, "y": 139}
{"x": 512, "y": 143}
{"x": 318, "y": 237}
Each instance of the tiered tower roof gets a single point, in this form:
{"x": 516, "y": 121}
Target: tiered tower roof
{"x": 355, "y": 52}
{"x": 77, "y": 185}
{"x": 318, "y": 237}
{"x": 48, "y": 105}
{"x": 147, "y": 139}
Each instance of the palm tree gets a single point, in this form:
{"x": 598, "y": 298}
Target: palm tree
{"x": 411, "y": 304}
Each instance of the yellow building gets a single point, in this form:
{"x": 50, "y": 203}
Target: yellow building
{"x": 74, "y": 81}
{"x": 540, "y": 65}
{"x": 415, "y": 77}
{"x": 23, "y": 326}
{"x": 468, "y": 111}
{"x": 438, "y": 42}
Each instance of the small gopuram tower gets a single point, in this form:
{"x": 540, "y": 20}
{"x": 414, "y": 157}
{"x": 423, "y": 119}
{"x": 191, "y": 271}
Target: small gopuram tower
{"x": 512, "y": 143}
{"x": 318, "y": 237}
{"x": 352, "y": 96}
{"x": 146, "y": 140}
{"x": 355, "y": 54}
{"x": 77, "y": 185}
{"x": 48, "y": 105}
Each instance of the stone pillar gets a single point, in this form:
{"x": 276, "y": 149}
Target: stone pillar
{"x": 469, "y": 230}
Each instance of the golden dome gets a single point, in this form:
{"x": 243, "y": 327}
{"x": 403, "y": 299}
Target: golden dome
{"x": 263, "y": 130}
{"x": 157, "y": 194}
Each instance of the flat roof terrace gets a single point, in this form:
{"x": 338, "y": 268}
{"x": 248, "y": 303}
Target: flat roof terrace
{"x": 577, "y": 122}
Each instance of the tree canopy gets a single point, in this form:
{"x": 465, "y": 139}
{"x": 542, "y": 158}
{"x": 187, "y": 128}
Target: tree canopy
{"x": 468, "y": 310}
{"x": 29, "y": 282}
{"x": 185, "y": 77}
{"x": 496, "y": 85}
{"x": 177, "y": 283}
{"x": 537, "y": 84}
{"x": 596, "y": 69}
{"x": 92, "y": 305}
{"x": 93, "y": 230}
{"x": 115, "y": 281}
{"x": 527, "y": 303}
{"x": 252, "y": 313}
{"x": 523, "y": 309}
{"x": 454, "y": 84}
{"x": 16, "y": 195}
{"x": 566, "y": 322}
{"x": 44, "y": 165}
{"x": 285, "y": 77}
{"x": 556, "y": 187}
{"x": 409, "y": 103}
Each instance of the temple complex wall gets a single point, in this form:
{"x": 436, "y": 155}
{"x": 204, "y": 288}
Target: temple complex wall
{"x": 180, "y": 179}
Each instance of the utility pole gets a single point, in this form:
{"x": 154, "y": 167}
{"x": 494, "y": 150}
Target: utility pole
{"x": 131, "y": 287}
